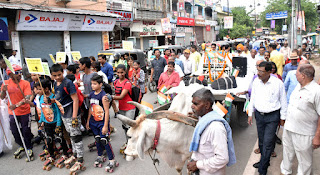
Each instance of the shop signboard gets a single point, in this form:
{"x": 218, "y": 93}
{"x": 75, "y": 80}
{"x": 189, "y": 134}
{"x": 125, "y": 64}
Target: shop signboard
{"x": 180, "y": 34}
{"x": 4, "y": 34}
{"x": 185, "y": 21}
{"x": 126, "y": 16}
{"x": 200, "y": 22}
{"x": 44, "y": 21}
{"x": 188, "y": 29}
{"x": 200, "y": 2}
{"x": 119, "y": 5}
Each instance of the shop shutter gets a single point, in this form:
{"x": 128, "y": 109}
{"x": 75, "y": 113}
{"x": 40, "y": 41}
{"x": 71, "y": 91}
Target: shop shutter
{"x": 199, "y": 34}
{"x": 88, "y": 43}
{"x": 41, "y": 44}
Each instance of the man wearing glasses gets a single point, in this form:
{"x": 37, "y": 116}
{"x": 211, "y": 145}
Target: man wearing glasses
{"x": 188, "y": 63}
{"x": 19, "y": 90}
{"x": 268, "y": 98}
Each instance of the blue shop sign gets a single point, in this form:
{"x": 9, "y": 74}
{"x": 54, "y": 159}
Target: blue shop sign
{"x": 4, "y": 34}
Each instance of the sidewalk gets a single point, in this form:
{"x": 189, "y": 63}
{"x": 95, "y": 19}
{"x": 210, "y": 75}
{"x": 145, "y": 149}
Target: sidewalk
{"x": 275, "y": 162}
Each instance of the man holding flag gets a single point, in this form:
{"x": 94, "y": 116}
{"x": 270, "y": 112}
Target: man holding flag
{"x": 19, "y": 90}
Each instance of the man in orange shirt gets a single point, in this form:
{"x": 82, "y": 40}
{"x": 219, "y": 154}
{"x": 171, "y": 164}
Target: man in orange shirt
{"x": 19, "y": 90}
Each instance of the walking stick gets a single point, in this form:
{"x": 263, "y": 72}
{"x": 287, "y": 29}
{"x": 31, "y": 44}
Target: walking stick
{"x": 3, "y": 132}
{"x": 15, "y": 119}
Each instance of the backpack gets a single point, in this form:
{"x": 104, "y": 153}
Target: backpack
{"x": 135, "y": 92}
{"x": 79, "y": 94}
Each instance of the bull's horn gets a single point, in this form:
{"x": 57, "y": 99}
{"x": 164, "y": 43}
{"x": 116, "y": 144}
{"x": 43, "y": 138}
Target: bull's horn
{"x": 139, "y": 106}
{"x": 174, "y": 116}
{"x": 162, "y": 107}
{"x": 126, "y": 120}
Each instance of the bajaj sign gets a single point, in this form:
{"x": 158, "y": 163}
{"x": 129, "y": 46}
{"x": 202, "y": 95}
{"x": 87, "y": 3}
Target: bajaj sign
{"x": 43, "y": 21}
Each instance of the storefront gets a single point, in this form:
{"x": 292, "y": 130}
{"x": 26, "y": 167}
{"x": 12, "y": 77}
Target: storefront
{"x": 43, "y": 33}
{"x": 184, "y": 31}
{"x": 144, "y": 31}
{"x": 200, "y": 23}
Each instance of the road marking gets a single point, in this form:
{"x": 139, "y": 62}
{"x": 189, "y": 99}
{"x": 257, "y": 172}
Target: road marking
{"x": 254, "y": 158}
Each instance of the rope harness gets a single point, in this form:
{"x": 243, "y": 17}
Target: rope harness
{"x": 155, "y": 144}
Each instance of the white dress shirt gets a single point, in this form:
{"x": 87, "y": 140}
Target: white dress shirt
{"x": 189, "y": 65}
{"x": 212, "y": 155}
{"x": 268, "y": 97}
{"x": 304, "y": 109}
{"x": 15, "y": 60}
{"x": 177, "y": 68}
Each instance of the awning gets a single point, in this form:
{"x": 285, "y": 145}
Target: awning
{"x": 57, "y": 10}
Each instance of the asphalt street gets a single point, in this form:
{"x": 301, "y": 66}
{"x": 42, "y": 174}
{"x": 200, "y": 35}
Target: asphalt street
{"x": 245, "y": 140}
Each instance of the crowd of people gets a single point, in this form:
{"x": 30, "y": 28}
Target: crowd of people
{"x": 77, "y": 99}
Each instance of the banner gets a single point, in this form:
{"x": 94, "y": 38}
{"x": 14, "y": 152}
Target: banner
{"x": 126, "y": 16}
{"x": 4, "y": 34}
{"x": 35, "y": 66}
{"x": 181, "y": 5}
{"x": 105, "y": 40}
{"x": 97, "y": 23}
{"x": 228, "y": 22}
{"x": 60, "y": 57}
{"x": 76, "y": 55}
{"x": 8, "y": 63}
{"x": 301, "y": 20}
{"x": 273, "y": 24}
{"x": 127, "y": 45}
{"x": 166, "y": 25}
{"x": 46, "y": 69}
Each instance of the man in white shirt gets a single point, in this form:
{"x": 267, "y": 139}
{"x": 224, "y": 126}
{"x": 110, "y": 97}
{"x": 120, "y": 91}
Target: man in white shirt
{"x": 212, "y": 145}
{"x": 188, "y": 63}
{"x": 301, "y": 134}
{"x": 260, "y": 56}
{"x": 285, "y": 50}
{"x": 14, "y": 59}
{"x": 268, "y": 98}
{"x": 177, "y": 68}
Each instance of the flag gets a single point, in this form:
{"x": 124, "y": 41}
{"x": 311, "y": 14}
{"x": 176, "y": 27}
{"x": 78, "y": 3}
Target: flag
{"x": 168, "y": 98}
{"x": 220, "y": 109}
{"x": 246, "y": 106}
{"x": 162, "y": 98}
{"x": 147, "y": 107}
{"x": 228, "y": 100}
{"x": 235, "y": 72}
{"x": 163, "y": 89}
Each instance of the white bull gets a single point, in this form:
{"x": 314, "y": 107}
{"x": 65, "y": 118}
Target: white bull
{"x": 174, "y": 141}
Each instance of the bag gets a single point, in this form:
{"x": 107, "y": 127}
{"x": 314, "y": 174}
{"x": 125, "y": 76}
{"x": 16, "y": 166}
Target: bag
{"x": 79, "y": 94}
{"x": 240, "y": 63}
{"x": 224, "y": 83}
{"x": 135, "y": 92}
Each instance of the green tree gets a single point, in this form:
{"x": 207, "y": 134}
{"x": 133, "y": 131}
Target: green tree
{"x": 242, "y": 25}
{"x": 309, "y": 8}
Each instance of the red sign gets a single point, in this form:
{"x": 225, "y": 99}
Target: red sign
{"x": 208, "y": 28}
{"x": 185, "y": 21}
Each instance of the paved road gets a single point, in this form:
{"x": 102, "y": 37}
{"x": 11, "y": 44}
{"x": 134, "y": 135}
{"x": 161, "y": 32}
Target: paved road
{"x": 245, "y": 140}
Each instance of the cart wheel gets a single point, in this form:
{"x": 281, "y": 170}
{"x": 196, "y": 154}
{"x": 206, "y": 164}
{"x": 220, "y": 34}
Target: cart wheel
{"x": 152, "y": 86}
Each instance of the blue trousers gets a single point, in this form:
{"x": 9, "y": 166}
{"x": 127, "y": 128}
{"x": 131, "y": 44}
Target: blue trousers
{"x": 96, "y": 127}
{"x": 25, "y": 123}
{"x": 266, "y": 125}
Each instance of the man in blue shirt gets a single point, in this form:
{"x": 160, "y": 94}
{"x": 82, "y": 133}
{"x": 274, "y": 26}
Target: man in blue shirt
{"x": 293, "y": 65}
{"x": 177, "y": 61}
{"x": 291, "y": 81}
{"x": 106, "y": 67}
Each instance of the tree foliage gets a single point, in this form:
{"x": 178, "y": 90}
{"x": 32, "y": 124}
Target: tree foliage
{"x": 242, "y": 25}
{"x": 309, "y": 8}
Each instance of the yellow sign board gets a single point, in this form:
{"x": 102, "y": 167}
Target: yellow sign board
{"x": 46, "y": 69}
{"x": 127, "y": 45}
{"x": 60, "y": 57}
{"x": 76, "y": 55}
{"x": 253, "y": 32}
{"x": 52, "y": 58}
{"x": 34, "y": 65}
